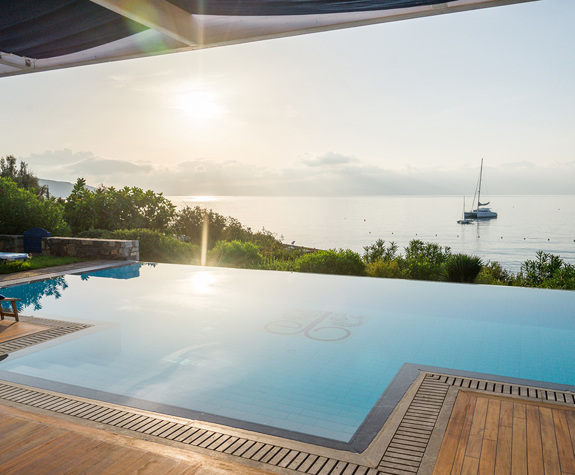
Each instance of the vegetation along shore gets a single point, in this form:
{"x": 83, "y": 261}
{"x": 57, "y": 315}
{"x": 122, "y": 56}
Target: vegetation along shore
{"x": 177, "y": 236}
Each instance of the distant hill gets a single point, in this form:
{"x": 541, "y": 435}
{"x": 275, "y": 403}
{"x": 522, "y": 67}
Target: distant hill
{"x": 60, "y": 189}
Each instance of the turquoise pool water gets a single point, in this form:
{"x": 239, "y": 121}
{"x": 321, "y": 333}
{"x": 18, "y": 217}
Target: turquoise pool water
{"x": 298, "y": 352}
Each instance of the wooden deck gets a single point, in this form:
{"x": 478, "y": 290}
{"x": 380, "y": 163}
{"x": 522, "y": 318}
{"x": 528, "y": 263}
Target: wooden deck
{"x": 501, "y": 435}
{"x": 10, "y": 330}
{"x": 40, "y": 444}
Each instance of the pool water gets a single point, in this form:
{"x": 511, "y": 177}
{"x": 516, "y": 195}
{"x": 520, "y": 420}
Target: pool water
{"x": 306, "y": 353}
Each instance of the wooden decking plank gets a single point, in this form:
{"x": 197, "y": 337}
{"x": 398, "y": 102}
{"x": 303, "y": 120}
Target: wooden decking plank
{"x": 504, "y": 450}
{"x": 506, "y": 414}
{"x": 452, "y": 435}
{"x": 476, "y": 432}
{"x": 534, "y": 447}
{"x": 464, "y": 436}
{"x": 470, "y": 466}
{"x": 487, "y": 459}
{"x": 492, "y": 419}
{"x": 549, "y": 441}
{"x": 570, "y": 416}
{"x": 564, "y": 442}
{"x": 519, "y": 442}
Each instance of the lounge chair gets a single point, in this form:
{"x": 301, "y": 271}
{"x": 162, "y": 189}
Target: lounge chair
{"x": 13, "y": 256}
{"x": 6, "y": 312}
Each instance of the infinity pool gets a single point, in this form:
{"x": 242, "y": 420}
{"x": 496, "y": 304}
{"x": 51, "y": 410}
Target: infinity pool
{"x": 281, "y": 352}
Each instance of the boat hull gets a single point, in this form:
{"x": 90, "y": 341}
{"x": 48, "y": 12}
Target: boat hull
{"x": 480, "y": 213}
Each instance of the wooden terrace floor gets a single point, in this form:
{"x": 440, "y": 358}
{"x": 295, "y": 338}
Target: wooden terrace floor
{"x": 499, "y": 435}
{"x": 40, "y": 444}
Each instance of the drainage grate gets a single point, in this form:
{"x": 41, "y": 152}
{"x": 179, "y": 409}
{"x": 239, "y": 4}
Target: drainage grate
{"x": 403, "y": 455}
{"x": 56, "y": 328}
{"x": 409, "y": 443}
{"x": 186, "y": 433}
{"x": 565, "y": 397}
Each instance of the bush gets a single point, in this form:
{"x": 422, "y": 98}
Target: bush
{"x": 462, "y": 268}
{"x": 493, "y": 274}
{"x": 424, "y": 261}
{"x": 547, "y": 271}
{"x": 343, "y": 261}
{"x": 386, "y": 269}
{"x": 22, "y": 209}
{"x": 379, "y": 252}
{"x": 158, "y": 247}
{"x": 235, "y": 254}
{"x": 273, "y": 263}
{"x": 563, "y": 279}
{"x": 534, "y": 272}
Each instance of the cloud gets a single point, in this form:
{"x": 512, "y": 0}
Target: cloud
{"x": 328, "y": 160}
{"x": 329, "y": 174}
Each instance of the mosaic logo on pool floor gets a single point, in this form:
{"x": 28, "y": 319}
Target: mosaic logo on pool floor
{"x": 320, "y": 326}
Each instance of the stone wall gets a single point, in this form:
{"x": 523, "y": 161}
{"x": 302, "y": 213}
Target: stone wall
{"x": 114, "y": 249}
{"x": 11, "y": 243}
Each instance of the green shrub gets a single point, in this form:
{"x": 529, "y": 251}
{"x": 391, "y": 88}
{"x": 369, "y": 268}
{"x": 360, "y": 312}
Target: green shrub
{"x": 534, "y": 272}
{"x": 22, "y": 209}
{"x": 333, "y": 261}
{"x": 158, "y": 247}
{"x": 235, "y": 254}
{"x": 563, "y": 279}
{"x": 424, "y": 261}
{"x": 379, "y": 252}
{"x": 493, "y": 274}
{"x": 462, "y": 268}
{"x": 387, "y": 269}
{"x": 273, "y": 263}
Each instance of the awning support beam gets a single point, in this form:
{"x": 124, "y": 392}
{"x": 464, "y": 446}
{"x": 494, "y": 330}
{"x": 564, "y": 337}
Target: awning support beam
{"x": 158, "y": 15}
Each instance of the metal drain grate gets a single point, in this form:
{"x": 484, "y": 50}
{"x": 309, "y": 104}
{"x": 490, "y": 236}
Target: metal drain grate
{"x": 56, "y": 328}
{"x": 409, "y": 443}
{"x": 565, "y": 397}
{"x": 189, "y": 434}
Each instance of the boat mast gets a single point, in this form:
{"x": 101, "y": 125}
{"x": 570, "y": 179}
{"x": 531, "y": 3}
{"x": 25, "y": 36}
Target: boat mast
{"x": 479, "y": 189}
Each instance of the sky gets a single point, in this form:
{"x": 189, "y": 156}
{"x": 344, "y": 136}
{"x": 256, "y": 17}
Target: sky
{"x": 395, "y": 108}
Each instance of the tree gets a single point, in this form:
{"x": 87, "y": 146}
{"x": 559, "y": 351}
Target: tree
{"x": 79, "y": 207}
{"x": 21, "y": 176}
{"x": 22, "y": 209}
{"x": 111, "y": 209}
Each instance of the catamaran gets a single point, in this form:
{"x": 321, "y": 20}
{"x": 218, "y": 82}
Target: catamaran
{"x": 481, "y": 212}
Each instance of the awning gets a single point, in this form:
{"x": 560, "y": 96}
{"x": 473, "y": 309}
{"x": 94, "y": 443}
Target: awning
{"x": 38, "y": 35}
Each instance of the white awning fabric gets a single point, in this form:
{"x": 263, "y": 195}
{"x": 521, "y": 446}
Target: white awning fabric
{"x": 37, "y": 35}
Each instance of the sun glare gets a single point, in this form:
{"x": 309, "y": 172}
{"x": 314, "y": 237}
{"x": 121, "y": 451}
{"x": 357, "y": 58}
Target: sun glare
{"x": 199, "y": 105}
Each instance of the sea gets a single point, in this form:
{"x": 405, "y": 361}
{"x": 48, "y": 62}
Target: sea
{"x": 525, "y": 224}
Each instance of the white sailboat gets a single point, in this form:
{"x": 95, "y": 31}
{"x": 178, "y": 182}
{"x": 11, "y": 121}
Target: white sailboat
{"x": 481, "y": 212}
{"x": 463, "y": 219}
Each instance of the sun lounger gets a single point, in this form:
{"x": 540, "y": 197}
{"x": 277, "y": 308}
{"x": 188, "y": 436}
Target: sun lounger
{"x": 4, "y": 312}
{"x": 13, "y": 256}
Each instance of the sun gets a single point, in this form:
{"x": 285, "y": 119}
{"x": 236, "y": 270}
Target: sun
{"x": 199, "y": 105}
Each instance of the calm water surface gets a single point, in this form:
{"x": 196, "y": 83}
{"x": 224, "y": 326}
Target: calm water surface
{"x": 525, "y": 224}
